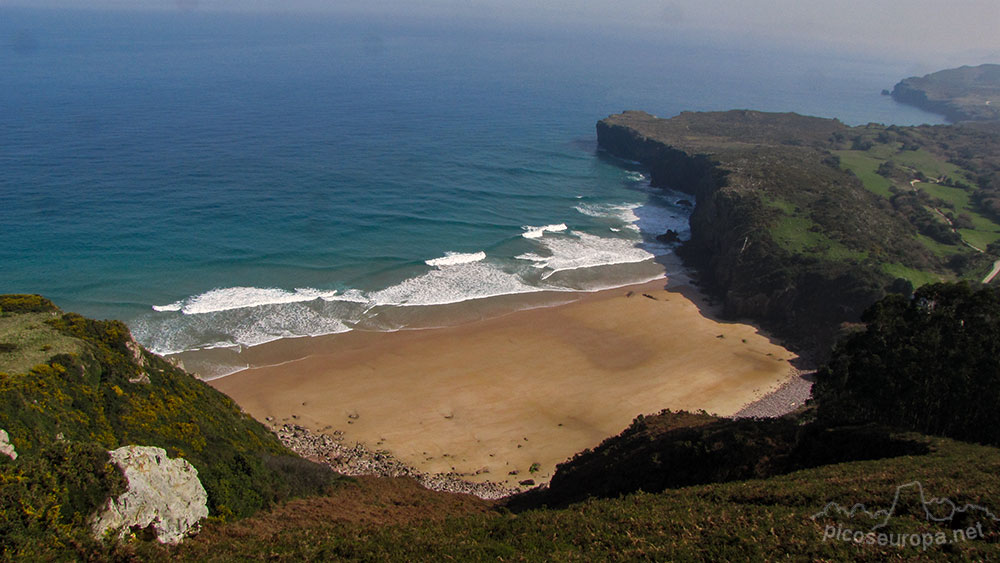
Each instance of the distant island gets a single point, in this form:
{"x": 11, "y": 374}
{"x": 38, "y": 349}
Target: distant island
{"x": 967, "y": 93}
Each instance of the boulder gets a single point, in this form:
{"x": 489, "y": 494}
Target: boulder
{"x": 6, "y": 448}
{"x": 164, "y": 499}
{"x": 669, "y": 236}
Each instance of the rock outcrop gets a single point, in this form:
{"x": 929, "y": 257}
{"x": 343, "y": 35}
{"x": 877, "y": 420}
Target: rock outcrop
{"x": 164, "y": 499}
{"x": 6, "y": 448}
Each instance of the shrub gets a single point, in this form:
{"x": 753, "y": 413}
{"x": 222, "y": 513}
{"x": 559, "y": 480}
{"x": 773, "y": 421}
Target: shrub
{"x": 930, "y": 364}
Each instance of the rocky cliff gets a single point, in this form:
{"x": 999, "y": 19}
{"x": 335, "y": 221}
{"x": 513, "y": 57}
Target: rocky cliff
{"x": 743, "y": 168}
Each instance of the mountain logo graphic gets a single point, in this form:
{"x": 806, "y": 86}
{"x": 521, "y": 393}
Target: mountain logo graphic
{"x": 934, "y": 509}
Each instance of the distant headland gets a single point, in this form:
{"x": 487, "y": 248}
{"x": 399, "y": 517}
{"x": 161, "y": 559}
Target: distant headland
{"x": 967, "y": 93}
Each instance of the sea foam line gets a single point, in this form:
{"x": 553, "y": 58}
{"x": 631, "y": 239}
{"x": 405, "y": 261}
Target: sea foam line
{"x": 228, "y": 298}
{"x": 455, "y": 259}
{"x": 537, "y": 232}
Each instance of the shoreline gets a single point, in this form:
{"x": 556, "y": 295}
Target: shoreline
{"x": 215, "y": 362}
{"x": 507, "y": 398}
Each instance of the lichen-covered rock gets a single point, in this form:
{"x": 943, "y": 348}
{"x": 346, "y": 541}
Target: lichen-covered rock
{"x": 164, "y": 496}
{"x": 6, "y": 448}
{"x": 140, "y": 360}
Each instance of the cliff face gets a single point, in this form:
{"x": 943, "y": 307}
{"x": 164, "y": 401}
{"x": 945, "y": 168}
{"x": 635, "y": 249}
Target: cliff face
{"x": 799, "y": 298}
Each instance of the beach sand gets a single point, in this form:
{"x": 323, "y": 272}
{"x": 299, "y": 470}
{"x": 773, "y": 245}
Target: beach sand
{"x": 497, "y": 396}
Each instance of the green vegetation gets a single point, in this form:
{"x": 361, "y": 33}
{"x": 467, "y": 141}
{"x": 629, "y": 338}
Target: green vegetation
{"x": 102, "y": 390}
{"x": 928, "y": 364}
{"x": 752, "y": 520}
{"x": 801, "y": 235}
{"x": 803, "y": 222}
{"x": 46, "y": 498}
{"x": 864, "y": 167}
{"x": 29, "y": 340}
{"x": 915, "y": 277}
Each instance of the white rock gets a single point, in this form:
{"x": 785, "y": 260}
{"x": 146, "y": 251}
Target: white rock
{"x": 6, "y": 448}
{"x": 164, "y": 495}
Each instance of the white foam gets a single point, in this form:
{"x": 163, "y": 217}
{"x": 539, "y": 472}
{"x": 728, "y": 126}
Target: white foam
{"x": 228, "y": 298}
{"x": 647, "y": 218}
{"x": 454, "y": 284}
{"x": 624, "y": 212}
{"x": 587, "y": 251}
{"x": 635, "y": 176}
{"x": 532, "y": 257}
{"x": 349, "y": 296}
{"x": 537, "y": 232}
{"x": 455, "y": 259}
{"x": 241, "y": 327}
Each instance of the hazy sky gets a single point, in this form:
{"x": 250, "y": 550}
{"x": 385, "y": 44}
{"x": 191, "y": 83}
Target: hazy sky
{"x": 943, "y": 29}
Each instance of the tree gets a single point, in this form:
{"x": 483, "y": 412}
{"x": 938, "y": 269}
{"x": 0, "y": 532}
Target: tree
{"x": 929, "y": 364}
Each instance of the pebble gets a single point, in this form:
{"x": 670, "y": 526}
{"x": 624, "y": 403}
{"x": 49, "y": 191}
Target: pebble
{"x": 359, "y": 460}
{"x": 790, "y": 396}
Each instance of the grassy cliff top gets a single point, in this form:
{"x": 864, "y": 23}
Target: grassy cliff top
{"x": 713, "y": 131}
{"x": 923, "y": 203}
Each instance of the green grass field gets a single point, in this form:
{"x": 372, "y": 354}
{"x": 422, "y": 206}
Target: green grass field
{"x": 931, "y": 165}
{"x": 864, "y": 166}
{"x": 800, "y": 235}
{"x": 26, "y": 341}
{"x": 983, "y": 231}
{"x": 914, "y": 276}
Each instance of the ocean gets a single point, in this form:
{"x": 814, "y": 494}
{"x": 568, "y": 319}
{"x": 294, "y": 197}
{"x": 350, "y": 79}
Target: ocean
{"x": 224, "y": 180}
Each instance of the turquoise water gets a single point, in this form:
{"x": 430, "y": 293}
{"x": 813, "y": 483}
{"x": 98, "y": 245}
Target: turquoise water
{"x": 230, "y": 179}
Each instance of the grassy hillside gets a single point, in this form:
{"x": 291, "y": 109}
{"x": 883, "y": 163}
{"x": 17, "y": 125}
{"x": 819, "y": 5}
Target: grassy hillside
{"x": 72, "y": 388}
{"x": 755, "y": 519}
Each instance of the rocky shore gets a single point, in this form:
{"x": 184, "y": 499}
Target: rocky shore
{"x": 359, "y": 460}
{"x": 789, "y": 397}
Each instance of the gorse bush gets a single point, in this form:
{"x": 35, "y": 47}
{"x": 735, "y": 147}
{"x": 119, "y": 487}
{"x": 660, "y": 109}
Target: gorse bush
{"x": 114, "y": 393}
{"x": 46, "y": 499}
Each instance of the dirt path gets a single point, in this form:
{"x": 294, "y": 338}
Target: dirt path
{"x": 993, "y": 273}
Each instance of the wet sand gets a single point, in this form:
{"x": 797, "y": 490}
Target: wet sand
{"x": 493, "y": 397}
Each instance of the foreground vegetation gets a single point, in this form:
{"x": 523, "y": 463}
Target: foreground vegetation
{"x": 756, "y": 519}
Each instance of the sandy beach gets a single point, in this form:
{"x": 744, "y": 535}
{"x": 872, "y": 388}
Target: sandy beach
{"x": 506, "y": 399}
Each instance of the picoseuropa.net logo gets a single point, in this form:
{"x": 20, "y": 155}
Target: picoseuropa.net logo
{"x": 956, "y": 523}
